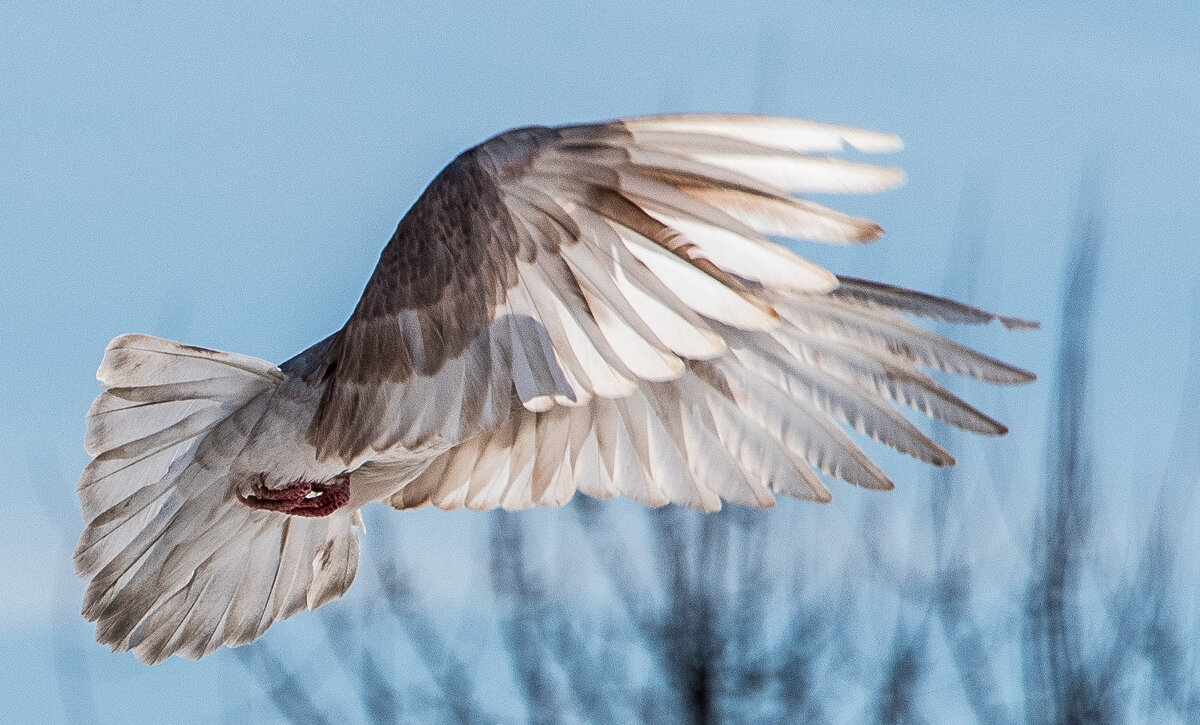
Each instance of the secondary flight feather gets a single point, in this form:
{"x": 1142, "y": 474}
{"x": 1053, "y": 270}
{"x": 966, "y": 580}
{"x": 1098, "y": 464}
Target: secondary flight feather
{"x": 598, "y": 308}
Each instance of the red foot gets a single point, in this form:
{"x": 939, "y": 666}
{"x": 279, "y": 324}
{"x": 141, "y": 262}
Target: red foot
{"x": 301, "y": 498}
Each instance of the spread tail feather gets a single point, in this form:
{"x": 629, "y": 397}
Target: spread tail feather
{"x": 176, "y": 563}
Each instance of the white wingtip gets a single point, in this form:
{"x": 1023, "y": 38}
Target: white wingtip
{"x": 770, "y": 131}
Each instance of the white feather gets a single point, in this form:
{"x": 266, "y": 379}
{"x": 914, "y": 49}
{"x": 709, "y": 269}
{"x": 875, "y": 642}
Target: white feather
{"x": 813, "y": 174}
{"x": 885, "y": 330}
{"x": 803, "y": 428}
{"x": 861, "y": 407}
{"x": 794, "y": 218}
{"x": 135, "y": 360}
{"x": 536, "y": 373}
{"x": 623, "y": 329}
{"x": 600, "y": 369}
{"x": 758, "y": 456}
{"x": 778, "y": 133}
{"x": 620, "y": 458}
{"x": 887, "y": 374}
{"x": 591, "y": 476}
{"x": 696, "y": 289}
{"x": 758, "y": 258}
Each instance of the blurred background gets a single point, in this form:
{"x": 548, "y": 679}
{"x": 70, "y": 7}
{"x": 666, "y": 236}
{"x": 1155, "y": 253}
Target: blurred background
{"x": 225, "y": 174}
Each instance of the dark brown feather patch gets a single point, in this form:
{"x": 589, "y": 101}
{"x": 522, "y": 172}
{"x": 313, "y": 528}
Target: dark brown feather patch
{"x": 436, "y": 286}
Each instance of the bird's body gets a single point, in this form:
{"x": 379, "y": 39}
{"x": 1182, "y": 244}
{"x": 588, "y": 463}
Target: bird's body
{"x": 589, "y": 308}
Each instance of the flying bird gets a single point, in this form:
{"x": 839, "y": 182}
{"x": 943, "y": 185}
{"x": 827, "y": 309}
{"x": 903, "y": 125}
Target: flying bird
{"x": 597, "y": 308}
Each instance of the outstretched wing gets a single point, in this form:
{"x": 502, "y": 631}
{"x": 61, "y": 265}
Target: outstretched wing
{"x": 602, "y": 308}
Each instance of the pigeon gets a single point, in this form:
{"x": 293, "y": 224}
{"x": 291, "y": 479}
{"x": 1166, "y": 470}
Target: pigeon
{"x": 601, "y": 308}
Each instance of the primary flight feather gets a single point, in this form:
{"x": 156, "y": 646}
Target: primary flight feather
{"x": 595, "y": 308}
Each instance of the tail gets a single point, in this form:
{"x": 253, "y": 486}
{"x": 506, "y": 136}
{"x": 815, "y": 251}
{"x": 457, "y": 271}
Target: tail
{"x": 176, "y": 563}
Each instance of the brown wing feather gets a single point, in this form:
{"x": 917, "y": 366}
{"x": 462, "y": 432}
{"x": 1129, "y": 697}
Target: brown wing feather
{"x": 447, "y": 267}
{"x": 548, "y": 264}
{"x": 453, "y": 259}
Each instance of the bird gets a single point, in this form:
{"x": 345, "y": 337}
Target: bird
{"x": 602, "y": 308}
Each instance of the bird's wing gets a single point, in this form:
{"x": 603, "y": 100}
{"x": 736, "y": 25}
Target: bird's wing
{"x": 602, "y": 307}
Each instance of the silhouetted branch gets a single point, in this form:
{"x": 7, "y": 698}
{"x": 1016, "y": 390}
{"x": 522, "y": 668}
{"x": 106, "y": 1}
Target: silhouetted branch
{"x": 1065, "y": 682}
{"x": 286, "y": 692}
{"x": 905, "y": 668}
{"x": 453, "y": 678}
{"x": 379, "y": 696}
{"x": 524, "y": 598}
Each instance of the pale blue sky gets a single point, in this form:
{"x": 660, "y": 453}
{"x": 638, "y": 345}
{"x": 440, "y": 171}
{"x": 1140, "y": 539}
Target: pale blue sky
{"x": 225, "y": 174}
